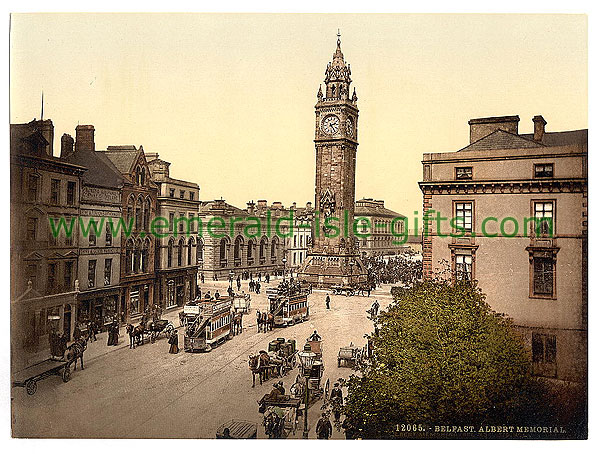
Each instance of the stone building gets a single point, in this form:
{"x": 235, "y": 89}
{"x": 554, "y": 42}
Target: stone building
{"x": 520, "y": 208}
{"x": 99, "y": 243}
{"x": 43, "y": 266}
{"x": 334, "y": 258}
{"x": 381, "y": 228}
{"x": 247, "y": 249}
{"x": 176, "y": 249}
{"x": 138, "y": 198}
{"x": 296, "y": 245}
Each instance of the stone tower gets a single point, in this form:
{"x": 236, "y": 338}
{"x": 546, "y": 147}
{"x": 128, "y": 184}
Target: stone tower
{"x": 333, "y": 258}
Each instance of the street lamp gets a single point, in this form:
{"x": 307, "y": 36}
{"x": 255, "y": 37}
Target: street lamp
{"x": 284, "y": 260}
{"x": 352, "y": 263}
{"x": 307, "y": 358}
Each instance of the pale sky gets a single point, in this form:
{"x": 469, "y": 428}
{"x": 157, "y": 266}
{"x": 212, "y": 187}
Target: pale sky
{"x": 229, "y": 99}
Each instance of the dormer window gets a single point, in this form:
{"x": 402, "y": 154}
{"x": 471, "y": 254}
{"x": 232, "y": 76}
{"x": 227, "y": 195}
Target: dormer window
{"x": 464, "y": 173}
{"x": 544, "y": 170}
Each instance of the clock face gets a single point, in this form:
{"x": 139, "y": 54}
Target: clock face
{"x": 330, "y": 124}
{"x": 349, "y": 127}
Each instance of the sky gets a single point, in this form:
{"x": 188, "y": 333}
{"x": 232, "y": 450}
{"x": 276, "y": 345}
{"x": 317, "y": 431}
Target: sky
{"x": 229, "y": 99}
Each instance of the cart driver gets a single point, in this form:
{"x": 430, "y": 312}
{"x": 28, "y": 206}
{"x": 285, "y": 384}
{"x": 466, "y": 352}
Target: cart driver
{"x": 314, "y": 336}
{"x": 280, "y": 387}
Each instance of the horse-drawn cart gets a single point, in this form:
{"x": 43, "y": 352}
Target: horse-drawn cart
{"x": 158, "y": 327}
{"x": 280, "y": 415}
{"x": 349, "y": 356}
{"x": 285, "y": 350}
{"x": 241, "y": 303}
{"x": 347, "y": 290}
{"x": 29, "y": 377}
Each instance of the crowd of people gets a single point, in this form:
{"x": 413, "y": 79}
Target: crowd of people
{"x": 404, "y": 269}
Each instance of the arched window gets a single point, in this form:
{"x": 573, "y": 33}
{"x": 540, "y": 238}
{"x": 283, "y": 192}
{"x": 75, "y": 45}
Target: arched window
{"x": 139, "y": 208}
{"x": 170, "y": 254}
{"x": 143, "y": 176}
{"x": 250, "y": 254}
{"x": 263, "y": 250}
{"x": 274, "y": 245}
{"x": 145, "y": 255}
{"x": 129, "y": 256}
{"x": 189, "y": 251}
{"x": 223, "y": 246}
{"x": 199, "y": 250}
{"x": 180, "y": 252}
{"x": 137, "y": 256}
{"x": 147, "y": 215}
{"x": 138, "y": 175}
{"x": 130, "y": 208}
{"x": 237, "y": 251}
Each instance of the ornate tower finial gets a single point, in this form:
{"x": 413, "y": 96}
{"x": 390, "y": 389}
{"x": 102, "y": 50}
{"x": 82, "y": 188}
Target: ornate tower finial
{"x": 338, "y": 35}
{"x": 320, "y": 94}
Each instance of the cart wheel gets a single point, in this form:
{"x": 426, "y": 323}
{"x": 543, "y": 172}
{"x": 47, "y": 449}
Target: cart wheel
{"x": 66, "y": 375}
{"x": 31, "y": 387}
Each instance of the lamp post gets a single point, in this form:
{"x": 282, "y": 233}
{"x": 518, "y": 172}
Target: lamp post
{"x": 352, "y": 263}
{"x": 284, "y": 260}
{"x": 307, "y": 358}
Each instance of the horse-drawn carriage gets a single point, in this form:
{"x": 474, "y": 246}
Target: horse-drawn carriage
{"x": 347, "y": 290}
{"x": 280, "y": 414}
{"x": 349, "y": 356}
{"x": 286, "y": 350}
{"x": 241, "y": 303}
{"x": 207, "y": 323}
{"x": 157, "y": 327}
{"x": 288, "y": 303}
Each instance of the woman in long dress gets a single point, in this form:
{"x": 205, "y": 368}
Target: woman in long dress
{"x": 174, "y": 342}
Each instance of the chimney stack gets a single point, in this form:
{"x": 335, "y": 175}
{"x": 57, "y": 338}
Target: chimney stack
{"x": 84, "y": 138}
{"x": 481, "y": 127}
{"x": 539, "y": 128}
{"x": 66, "y": 145}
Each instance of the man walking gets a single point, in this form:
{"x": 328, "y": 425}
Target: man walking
{"x": 324, "y": 428}
{"x": 327, "y": 301}
{"x": 337, "y": 400}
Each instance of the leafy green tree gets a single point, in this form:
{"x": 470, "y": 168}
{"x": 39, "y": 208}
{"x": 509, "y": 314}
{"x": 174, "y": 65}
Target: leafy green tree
{"x": 441, "y": 356}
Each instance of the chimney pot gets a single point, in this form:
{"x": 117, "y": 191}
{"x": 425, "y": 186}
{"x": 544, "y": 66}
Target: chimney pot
{"x": 539, "y": 128}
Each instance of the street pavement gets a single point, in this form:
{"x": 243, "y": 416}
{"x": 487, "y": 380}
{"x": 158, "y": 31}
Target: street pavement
{"x": 149, "y": 393}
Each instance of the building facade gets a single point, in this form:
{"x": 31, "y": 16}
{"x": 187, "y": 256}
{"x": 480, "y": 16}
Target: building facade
{"x": 334, "y": 259}
{"x": 138, "y": 198}
{"x": 520, "y": 207}
{"x": 99, "y": 260}
{"x": 296, "y": 245}
{"x": 246, "y": 250}
{"x": 176, "y": 253}
{"x": 382, "y": 229}
{"x": 44, "y": 266}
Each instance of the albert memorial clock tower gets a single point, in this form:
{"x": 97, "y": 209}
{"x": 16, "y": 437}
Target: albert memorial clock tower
{"x": 333, "y": 258}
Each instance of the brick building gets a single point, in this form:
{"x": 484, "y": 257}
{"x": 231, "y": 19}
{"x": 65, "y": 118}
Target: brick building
{"x": 381, "y": 227}
{"x": 176, "y": 254}
{"x": 520, "y": 203}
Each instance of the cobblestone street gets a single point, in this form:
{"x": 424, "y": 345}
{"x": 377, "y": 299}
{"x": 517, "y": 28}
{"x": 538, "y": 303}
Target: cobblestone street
{"x": 147, "y": 392}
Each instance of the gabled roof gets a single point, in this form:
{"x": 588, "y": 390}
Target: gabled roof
{"x": 122, "y": 160}
{"x": 501, "y": 140}
{"x": 101, "y": 170}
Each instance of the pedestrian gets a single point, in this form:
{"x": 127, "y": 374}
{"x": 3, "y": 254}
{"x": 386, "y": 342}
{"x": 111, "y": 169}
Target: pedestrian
{"x": 257, "y": 287}
{"x": 324, "y": 428}
{"x": 77, "y": 332}
{"x": 174, "y": 342}
{"x": 327, "y": 301}
{"x": 338, "y": 401}
{"x": 217, "y": 295}
{"x": 202, "y": 277}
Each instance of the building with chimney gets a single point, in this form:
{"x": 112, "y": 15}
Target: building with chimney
{"x": 99, "y": 261}
{"x": 138, "y": 205}
{"x": 519, "y": 202}
{"x": 44, "y": 267}
{"x": 176, "y": 249}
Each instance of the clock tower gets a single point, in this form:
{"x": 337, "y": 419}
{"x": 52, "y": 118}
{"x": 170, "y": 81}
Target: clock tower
{"x": 333, "y": 258}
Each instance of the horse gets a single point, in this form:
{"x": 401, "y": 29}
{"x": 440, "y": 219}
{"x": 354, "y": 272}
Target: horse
{"x": 259, "y": 364}
{"x": 258, "y": 320}
{"x": 236, "y": 323}
{"x": 274, "y": 424}
{"x": 270, "y": 322}
{"x": 136, "y": 335}
{"x": 75, "y": 351}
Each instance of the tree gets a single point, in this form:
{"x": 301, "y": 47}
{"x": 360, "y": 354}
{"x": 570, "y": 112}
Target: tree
{"x": 441, "y": 356}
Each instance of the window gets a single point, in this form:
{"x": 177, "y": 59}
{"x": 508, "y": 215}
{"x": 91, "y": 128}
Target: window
{"x": 108, "y": 238}
{"x": 91, "y": 274}
{"x": 92, "y": 235}
{"x": 180, "y": 252}
{"x": 464, "y": 173}
{"x": 172, "y": 222}
{"x": 54, "y": 192}
{"x": 31, "y": 229}
{"x": 147, "y": 215}
{"x": 170, "y": 254}
{"x": 32, "y": 187}
{"x": 191, "y": 195}
{"x": 543, "y": 276}
{"x": 171, "y": 192}
{"x": 181, "y": 194}
{"x": 32, "y": 275}
{"x": 180, "y": 223}
{"x": 464, "y": 215}
{"x": 543, "y": 352}
{"x": 543, "y": 213}
{"x": 544, "y": 170}
{"x": 68, "y": 276}
{"x": 107, "y": 271}
{"x": 69, "y": 238}
{"x": 51, "y": 278}
{"x": 70, "y": 193}
{"x": 463, "y": 266}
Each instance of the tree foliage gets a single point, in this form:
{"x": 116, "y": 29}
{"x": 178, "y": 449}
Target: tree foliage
{"x": 441, "y": 356}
